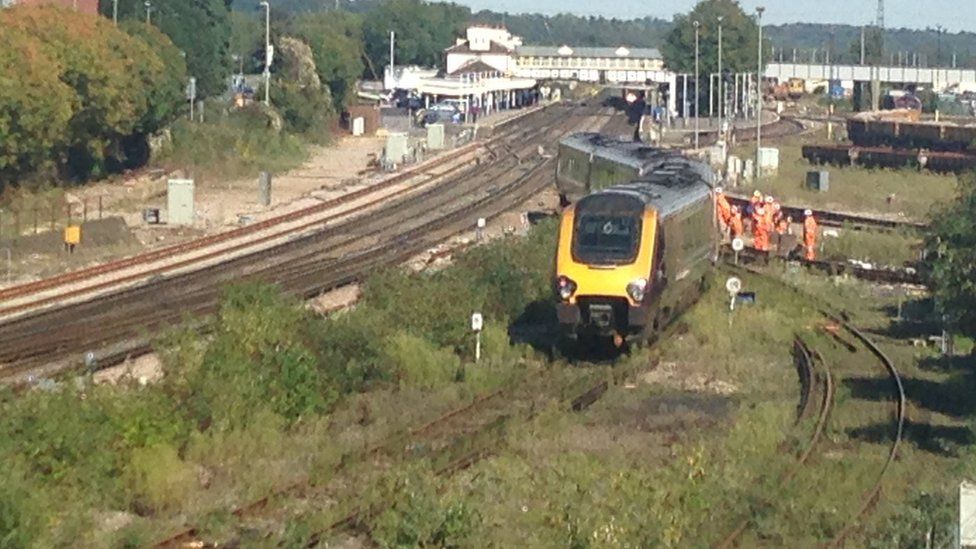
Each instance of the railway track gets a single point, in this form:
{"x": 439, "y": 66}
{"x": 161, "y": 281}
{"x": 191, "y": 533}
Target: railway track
{"x": 452, "y": 441}
{"x": 824, "y": 383}
{"x": 120, "y": 324}
{"x": 884, "y": 275}
{"x": 838, "y": 219}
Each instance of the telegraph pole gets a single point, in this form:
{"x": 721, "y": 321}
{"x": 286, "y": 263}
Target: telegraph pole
{"x": 267, "y": 53}
{"x": 697, "y": 82}
{"x": 759, "y": 98}
{"x": 721, "y": 80}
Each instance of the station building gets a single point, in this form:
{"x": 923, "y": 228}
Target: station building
{"x": 490, "y": 68}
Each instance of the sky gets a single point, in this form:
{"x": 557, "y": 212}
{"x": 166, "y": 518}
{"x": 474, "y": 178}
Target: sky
{"x": 954, "y": 15}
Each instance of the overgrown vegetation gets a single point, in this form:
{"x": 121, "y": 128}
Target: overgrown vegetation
{"x": 954, "y": 274}
{"x": 85, "y": 94}
{"x": 269, "y": 371}
{"x": 883, "y": 192}
{"x": 232, "y": 144}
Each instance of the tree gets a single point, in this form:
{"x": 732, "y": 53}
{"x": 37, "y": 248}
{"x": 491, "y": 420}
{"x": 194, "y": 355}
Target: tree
{"x": 35, "y": 105}
{"x": 199, "y": 28}
{"x": 953, "y": 277}
{"x": 297, "y": 92}
{"x": 247, "y": 41}
{"x": 423, "y": 30}
{"x": 111, "y": 74}
{"x": 740, "y": 37}
{"x": 337, "y": 44}
{"x": 873, "y": 47}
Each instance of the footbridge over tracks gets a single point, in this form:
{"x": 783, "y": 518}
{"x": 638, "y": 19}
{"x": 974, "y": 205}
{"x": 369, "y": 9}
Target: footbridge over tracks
{"x": 935, "y": 78}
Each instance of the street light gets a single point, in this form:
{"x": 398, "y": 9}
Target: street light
{"x": 148, "y": 5}
{"x": 697, "y": 82}
{"x": 267, "y": 53}
{"x": 721, "y": 79}
{"x": 115, "y": 12}
{"x": 759, "y": 98}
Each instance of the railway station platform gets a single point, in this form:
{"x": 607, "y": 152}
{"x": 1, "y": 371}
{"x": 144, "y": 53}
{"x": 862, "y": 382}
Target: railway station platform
{"x": 479, "y": 94}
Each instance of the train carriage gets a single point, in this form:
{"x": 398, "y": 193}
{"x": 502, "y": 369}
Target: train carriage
{"x": 591, "y": 161}
{"x": 633, "y": 255}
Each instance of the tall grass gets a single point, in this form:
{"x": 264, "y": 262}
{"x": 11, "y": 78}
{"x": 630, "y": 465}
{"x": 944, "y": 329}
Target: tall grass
{"x": 905, "y": 193}
{"x": 232, "y": 144}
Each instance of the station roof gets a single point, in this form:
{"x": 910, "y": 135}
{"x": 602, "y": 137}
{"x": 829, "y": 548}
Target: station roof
{"x": 475, "y": 66}
{"x": 568, "y": 51}
{"x": 465, "y": 48}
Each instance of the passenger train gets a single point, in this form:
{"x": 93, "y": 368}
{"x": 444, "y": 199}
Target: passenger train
{"x": 637, "y": 249}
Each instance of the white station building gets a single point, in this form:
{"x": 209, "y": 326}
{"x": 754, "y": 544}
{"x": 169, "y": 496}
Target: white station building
{"x": 491, "y": 68}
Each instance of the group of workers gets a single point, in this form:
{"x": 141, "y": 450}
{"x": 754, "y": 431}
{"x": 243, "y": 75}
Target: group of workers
{"x": 766, "y": 219}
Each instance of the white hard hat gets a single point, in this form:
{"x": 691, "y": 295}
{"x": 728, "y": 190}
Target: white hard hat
{"x": 769, "y": 199}
{"x": 807, "y": 212}
{"x": 718, "y": 190}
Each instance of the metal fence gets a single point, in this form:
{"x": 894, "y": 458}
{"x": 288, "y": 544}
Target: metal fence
{"x": 50, "y": 215}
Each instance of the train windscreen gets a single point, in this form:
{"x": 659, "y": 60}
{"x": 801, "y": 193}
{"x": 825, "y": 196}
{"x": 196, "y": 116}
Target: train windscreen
{"x": 607, "y": 230}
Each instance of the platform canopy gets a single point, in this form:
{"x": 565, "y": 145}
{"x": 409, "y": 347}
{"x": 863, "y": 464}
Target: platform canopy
{"x": 463, "y": 86}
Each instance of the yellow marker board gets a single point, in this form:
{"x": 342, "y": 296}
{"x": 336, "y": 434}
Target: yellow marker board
{"x": 72, "y": 234}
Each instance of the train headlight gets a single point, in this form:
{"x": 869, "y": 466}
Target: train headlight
{"x": 565, "y": 287}
{"x": 637, "y": 289}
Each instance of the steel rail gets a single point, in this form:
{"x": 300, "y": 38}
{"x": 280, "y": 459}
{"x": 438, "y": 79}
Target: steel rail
{"x": 162, "y": 253}
{"x": 841, "y": 317}
{"x": 151, "y": 301}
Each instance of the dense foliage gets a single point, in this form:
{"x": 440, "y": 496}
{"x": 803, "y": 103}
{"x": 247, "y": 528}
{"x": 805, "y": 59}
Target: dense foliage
{"x": 423, "y": 30}
{"x": 199, "y": 28}
{"x": 566, "y": 28}
{"x": 109, "y": 87}
{"x": 337, "y": 43}
{"x": 954, "y": 271}
{"x": 268, "y": 369}
{"x": 740, "y": 37}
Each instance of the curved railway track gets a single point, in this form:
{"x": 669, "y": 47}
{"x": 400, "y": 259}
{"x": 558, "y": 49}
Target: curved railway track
{"x": 119, "y": 324}
{"x": 809, "y": 358}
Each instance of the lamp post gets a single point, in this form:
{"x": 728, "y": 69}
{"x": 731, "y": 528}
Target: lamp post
{"x": 759, "y": 98}
{"x": 697, "y": 81}
{"x": 148, "y": 5}
{"x": 267, "y": 53}
{"x": 721, "y": 79}
{"x": 115, "y": 12}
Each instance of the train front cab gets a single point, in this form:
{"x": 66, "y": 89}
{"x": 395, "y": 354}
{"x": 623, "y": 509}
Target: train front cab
{"x": 608, "y": 245}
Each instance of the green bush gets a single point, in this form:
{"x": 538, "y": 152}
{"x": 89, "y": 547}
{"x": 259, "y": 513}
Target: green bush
{"x": 232, "y": 144}
{"x": 260, "y": 358}
{"x": 419, "y": 518}
{"x": 157, "y": 479}
{"x": 419, "y": 363}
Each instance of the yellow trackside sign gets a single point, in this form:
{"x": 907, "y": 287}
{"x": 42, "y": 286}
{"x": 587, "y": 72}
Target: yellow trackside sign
{"x": 72, "y": 234}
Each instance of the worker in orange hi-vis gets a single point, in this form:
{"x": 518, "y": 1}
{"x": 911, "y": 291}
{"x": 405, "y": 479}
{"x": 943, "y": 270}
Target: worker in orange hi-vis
{"x": 755, "y": 201}
{"x": 760, "y": 229}
{"x": 810, "y": 236}
{"x": 722, "y": 209}
{"x": 735, "y": 223}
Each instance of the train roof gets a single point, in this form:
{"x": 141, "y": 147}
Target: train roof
{"x": 670, "y": 188}
{"x": 629, "y": 153}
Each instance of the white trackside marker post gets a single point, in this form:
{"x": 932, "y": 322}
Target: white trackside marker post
{"x": 480, "y": 230}
{"x": 477, "y": 323}
{"x": 734, "y": 286}
{"x": 737, "y": 246}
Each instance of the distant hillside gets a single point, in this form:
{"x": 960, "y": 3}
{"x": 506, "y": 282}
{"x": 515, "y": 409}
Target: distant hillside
{"x": 841, "y": 40}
